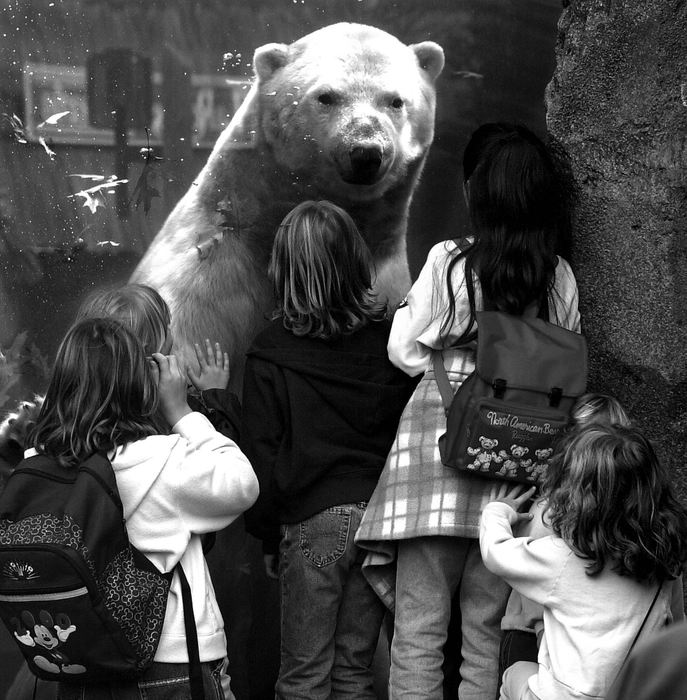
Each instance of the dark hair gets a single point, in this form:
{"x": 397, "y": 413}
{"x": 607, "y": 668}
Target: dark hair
{"x": 609, "y": 498}
{"x": 139, "y": 307}
{"x": 321, "y": 271}
{"x": 101, "y": 393}
{"x": 515, "y": 208}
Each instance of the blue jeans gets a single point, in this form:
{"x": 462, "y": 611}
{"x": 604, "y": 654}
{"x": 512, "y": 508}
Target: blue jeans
{"x": 517, "y": 645}
{"x": 330, "y": 617}
{"x": 160, "y": 682}
{"x": 429, "y": 571}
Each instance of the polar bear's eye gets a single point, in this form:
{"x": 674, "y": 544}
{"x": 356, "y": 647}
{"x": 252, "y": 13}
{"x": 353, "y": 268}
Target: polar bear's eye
{"x": 326, "y": 99}
{"x": 397, "y": 103}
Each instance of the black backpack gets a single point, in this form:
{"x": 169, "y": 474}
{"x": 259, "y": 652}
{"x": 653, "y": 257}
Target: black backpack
{"x": 81, "y": 603}
{"x": 506, "y": 416}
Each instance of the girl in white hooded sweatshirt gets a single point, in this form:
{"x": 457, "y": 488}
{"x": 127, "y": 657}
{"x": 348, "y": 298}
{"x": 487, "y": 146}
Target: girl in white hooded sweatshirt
{"x": 105, "y": 395}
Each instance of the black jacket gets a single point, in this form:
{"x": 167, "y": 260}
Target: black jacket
{"x": 318, "y": 421}
{"x": 221, "y": 407}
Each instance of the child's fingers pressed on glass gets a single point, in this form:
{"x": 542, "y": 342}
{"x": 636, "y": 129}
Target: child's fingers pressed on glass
{"x": 200, "y": 356}
{"x": 499, "y": 489}
{"x": 217, "y": 355}
{"x": 520, "y": 494}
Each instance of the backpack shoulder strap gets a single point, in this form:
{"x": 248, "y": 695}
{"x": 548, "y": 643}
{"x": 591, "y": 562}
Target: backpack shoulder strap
{"x": 195, "y": 673}
{"x": 639, "y": 631}
{"x": 463, "y": 243}
{"x": 442, "y": 379}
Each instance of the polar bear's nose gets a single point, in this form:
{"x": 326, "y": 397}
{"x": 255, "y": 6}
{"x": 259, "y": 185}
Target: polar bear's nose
{"x": 365, "y": 164}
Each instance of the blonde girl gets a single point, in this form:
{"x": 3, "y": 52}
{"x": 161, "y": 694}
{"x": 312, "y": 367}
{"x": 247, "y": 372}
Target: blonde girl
{"x": 321, "y": 403}
{"x": 141, "y": 309}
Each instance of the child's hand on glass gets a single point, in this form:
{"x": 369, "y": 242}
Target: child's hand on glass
{"x": 171, "y": 387}
{"x": 514, "y": 496}
{"x": 214, "y": 367}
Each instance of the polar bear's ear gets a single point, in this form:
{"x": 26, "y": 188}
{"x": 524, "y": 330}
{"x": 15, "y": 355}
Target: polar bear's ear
{"x": 269, "y": 58}
{"x": 430, "y": 56}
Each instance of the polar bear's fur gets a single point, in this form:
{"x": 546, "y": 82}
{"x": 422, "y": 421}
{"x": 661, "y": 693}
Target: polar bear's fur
{"x": 345, "y": 113}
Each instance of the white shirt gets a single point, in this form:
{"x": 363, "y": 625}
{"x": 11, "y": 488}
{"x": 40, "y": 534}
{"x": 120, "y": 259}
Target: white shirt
{"x": 590, "y": 622}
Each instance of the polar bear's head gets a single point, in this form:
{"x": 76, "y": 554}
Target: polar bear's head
{"x": 348, "y": 108}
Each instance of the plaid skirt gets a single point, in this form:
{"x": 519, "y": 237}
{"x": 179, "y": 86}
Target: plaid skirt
{"x": 416, "y": 495}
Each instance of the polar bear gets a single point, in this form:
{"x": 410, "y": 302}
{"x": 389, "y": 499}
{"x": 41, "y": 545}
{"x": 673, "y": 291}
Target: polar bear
{"x": 345, "y": 113}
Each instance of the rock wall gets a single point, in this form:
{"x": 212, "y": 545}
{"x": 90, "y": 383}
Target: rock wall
{"x": 617, "y": 104}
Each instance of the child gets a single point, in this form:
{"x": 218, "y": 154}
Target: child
{"x": 618, "y": 535}
{"x": 143, "y": 310}
{"x": 321, "y": 403}
{"x": 522, "y": 622}
{"x": 422, "y": 523}
{"x": 103, "y": 395}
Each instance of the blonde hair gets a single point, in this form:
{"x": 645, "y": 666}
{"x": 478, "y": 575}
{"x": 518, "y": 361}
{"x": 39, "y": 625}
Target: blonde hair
{"x": 139, "y": 307}
{"x": 321, "y": 272}
{"x": 598, "y": 408}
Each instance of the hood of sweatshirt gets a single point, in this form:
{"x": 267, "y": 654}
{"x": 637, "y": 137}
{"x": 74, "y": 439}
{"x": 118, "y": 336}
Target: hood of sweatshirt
{"x": 138, "y": 466}
{"x": 350, "y": 377}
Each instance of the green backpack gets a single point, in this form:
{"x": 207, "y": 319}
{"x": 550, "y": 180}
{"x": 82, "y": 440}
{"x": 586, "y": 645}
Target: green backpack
{"x": 504, "y": 419}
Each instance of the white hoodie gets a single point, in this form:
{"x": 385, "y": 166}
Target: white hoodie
{"x": 174, "y": 488}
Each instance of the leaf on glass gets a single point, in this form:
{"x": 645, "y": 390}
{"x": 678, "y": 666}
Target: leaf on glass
{"x": 16, "y": 128}
{"x": 94, "y": 197}
{"x": 47, "y": 148}
{"x": 91, "y": 200}
{"x": 94, "y": 178}
{"x": 53, "y": 119}
{"x": 144, "y": 191}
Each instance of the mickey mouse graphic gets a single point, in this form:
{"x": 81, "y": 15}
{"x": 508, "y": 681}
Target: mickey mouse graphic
{"x": 47, "y": 635}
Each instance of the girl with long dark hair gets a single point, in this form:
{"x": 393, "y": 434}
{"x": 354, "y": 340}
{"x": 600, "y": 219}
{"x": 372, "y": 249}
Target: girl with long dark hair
{"x": 422, "y": 523}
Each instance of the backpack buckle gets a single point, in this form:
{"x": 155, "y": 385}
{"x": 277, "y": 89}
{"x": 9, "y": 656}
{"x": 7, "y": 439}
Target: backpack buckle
{"x": 499, "y": 387}
{"x": 555, "y": 396}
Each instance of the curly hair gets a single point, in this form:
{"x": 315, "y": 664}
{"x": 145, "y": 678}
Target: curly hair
{"x": 101, "y": 394}
{"x": 321, "y": 272}
{"x": 609, "y": 499}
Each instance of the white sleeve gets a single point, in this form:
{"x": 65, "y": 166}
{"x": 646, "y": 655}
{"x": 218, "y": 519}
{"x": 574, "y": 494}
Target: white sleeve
{"x": 415, "y": 330}
{"x": 530, "y": 566}
{"x": 211, "y": 480}
{"x": 566, "y": 300}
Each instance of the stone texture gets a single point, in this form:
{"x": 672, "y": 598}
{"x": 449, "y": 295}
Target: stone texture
{"x": 617, "y": 104}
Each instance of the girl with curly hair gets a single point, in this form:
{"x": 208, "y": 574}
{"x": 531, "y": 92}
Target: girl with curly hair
{"x": 618, "y": 535}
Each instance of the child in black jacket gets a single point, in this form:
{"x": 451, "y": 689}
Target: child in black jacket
{"x": 321, "y": 404}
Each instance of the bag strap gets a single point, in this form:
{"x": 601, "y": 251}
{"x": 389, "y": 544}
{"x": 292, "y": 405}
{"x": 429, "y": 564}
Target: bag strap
{"x": 462, "y": 244}
{"x": 195, "y": 673}
{"x": 639, "y": 631}
{"x": 442, "y": 379}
